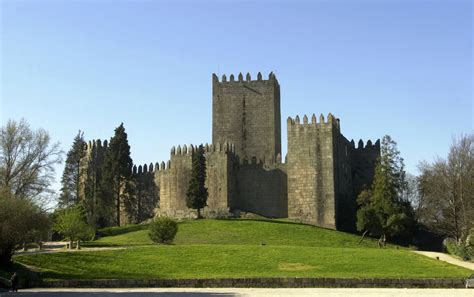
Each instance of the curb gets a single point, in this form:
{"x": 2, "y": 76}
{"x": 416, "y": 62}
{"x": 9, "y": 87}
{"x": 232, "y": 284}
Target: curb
{"x": 294, "y": 282}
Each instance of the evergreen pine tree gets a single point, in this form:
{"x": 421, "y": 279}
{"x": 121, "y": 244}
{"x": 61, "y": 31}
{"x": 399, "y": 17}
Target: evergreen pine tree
{"x": 70, "y": 180}
{"x": 197, "y": 192}
{"x": 97, "y": 209}
{"x": 383, "y": 211}
{"x": 116, "y": 171}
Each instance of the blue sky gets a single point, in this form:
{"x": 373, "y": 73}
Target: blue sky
{"x": 402, "y": 68}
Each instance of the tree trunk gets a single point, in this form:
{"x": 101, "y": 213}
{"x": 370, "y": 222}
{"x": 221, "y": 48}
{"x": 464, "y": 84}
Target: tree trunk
{"x": 363, "y": 236}
{"x": 199, "y": 213}
{"x": 70, "y": 244}
{"x": 78, "y": 247}
{"x": 381, "y": 241}
{"x": 118, "y": 208}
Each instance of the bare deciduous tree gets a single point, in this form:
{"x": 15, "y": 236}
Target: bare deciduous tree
{"x": 446, "y": 187}
{"x": 27, "y": 160}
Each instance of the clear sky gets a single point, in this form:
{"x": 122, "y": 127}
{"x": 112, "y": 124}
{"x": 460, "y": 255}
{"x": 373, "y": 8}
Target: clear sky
{"x": 402, "y": 68}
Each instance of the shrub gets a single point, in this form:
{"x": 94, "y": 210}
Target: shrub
{"x": 21, "y": 221}
{"x": 163, "y": 230}
{"x": 463, "y": 251}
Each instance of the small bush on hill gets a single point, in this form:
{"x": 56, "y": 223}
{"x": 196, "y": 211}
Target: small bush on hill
{"x": 163, "y": 230}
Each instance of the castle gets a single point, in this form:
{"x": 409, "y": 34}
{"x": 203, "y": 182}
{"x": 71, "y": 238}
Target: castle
{"x": 316, "y": 183}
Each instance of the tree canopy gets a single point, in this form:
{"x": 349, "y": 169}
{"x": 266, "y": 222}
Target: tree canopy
{"x": 27, "y": 160}
{"x": 71, "y": 175}
{"x": 383, "y": 210}
{"x": 71, "y": 223}
{"x": 196, "y": 196}
{"x": 446, "y": 186}
{"x": 116, "y": 171}
{"x": 21, "y": 221}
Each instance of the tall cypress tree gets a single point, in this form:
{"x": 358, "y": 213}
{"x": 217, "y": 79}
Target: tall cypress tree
{"x": 197, "y": 192}
{"x": 70, "y": 180}
{"x": 117, "y": 170}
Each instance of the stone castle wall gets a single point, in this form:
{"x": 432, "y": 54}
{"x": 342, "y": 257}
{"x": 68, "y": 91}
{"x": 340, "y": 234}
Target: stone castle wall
{"x": 311, "y": 189}
{"x": 317, "y": 184}
{"x": 174, "y": 180}
{"x": 247, "y": 114}
{"x": 262, "y": 189}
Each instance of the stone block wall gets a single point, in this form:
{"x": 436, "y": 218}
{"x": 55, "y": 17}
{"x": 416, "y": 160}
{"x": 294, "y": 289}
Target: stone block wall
{"x": 247, "y": 113}
{"x": 364, "y": 160}
{"x": 220, "y": 176}
{"x": 345, "y": 200}
{"x": 262, "y": 189}
{"x": 311, "y": 181}
{"x": 173, "y": 182}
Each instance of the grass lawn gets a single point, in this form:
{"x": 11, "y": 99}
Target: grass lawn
{"x": 244, "y": 232}
{"x": 239, "y": 248}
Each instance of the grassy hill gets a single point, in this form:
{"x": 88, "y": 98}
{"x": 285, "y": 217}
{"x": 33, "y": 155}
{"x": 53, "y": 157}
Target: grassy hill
{"x": 238, "y": 248}
{"x": 240, "y": 232}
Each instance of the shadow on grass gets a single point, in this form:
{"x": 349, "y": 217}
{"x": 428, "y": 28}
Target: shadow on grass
{"x": 24, "y": 274}
{"x": 99, "y": 244}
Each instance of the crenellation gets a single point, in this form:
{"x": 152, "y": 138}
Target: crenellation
{"x": 240, "y": 79}
{"x": 305, "y": 120}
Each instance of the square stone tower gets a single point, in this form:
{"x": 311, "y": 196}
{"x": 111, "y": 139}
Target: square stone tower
{"x": 247, "y": 113}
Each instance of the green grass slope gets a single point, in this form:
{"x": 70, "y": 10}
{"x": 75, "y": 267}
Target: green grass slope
{"x": 243, "y": 232}
{"x": 239, "y": 248}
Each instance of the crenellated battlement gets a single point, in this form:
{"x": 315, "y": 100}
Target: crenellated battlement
{"x": 96, "y": 144}
{"x": 367, "y": 146}
{"x": 241, "y": 79}
{"x": 296, "y": 123}
{"x": 183, "y": 150}
{"x": 208, "y": 148}
{"x": 150, "y": 168}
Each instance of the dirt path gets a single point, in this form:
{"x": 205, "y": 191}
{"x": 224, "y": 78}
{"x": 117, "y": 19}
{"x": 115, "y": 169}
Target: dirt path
{"x": 447, "y": 258}
{"x": 60, "y": 246}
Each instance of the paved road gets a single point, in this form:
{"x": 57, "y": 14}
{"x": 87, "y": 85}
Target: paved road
{"x": 447, "y": 258}
{"x": 235, "y": 292}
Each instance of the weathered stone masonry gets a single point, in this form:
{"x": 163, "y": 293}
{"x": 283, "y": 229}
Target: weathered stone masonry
{"x": 316, "y": 184}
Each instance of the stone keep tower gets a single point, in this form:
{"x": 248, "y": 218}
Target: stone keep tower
{"x": 247, "y": 114}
